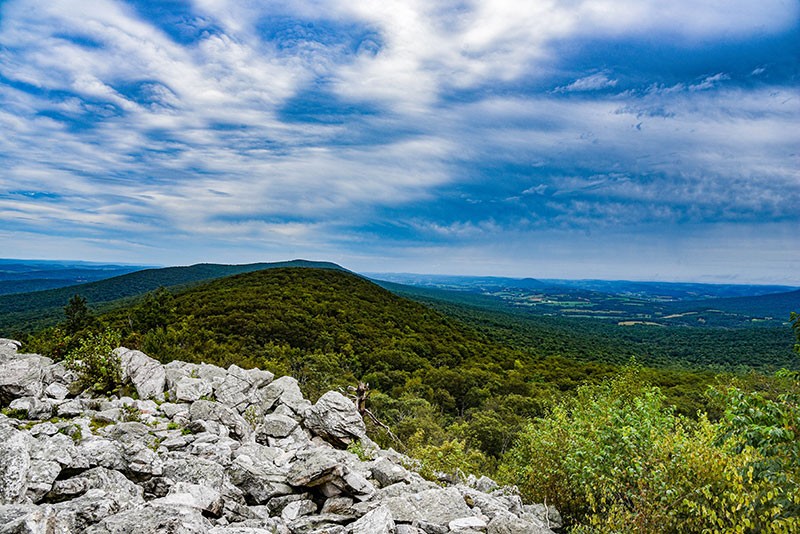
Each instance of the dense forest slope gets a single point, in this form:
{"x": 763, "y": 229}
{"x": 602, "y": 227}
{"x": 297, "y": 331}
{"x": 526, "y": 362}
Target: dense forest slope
{"x": 766, "y": 348}
{"x": 27, "y": 312}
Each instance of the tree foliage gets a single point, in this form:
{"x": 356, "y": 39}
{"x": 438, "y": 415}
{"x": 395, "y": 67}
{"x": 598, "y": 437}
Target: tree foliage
{"x": 77, "y": 315}
{"x": 617, "y": 459}
{"x": 94, "y": 361}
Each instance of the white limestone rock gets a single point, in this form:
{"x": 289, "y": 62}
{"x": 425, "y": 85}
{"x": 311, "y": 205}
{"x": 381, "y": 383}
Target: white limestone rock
{"x": 146, "y": 374}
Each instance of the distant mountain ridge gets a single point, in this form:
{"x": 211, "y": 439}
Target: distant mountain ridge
{"x": 22, "y": 276}
{"x": 778, "y": 305}
{"x": 25, "y": 312}
{"x": 640, "y": 289}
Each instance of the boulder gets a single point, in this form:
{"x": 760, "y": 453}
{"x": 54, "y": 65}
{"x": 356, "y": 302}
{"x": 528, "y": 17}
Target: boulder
{"x": 508, "y": 523}
{"x": 146, "y": 374}
{"x": 153, "y": 518}
{"x": 192, "y": 389}
{"x": 21, "y": 376}
{"x": 260, "y": 481}
{"x": 335, "y": 418}
{"x": 276, "y": 426}
{"x": 386, "y": 472}
{"x": 207, "y": 500}
{"x": 203, "y": 410}
{"x": 9, "y": 346}
{"x": 239, "y": 388}
{"x": 15, "y": 462}
{"x": 283, "y": 391}
{"x": 316, "y": 467}
{"x": 34, "y": 407}
{"x": 436, "y": 506}
{"x": 378, "y": 521}
{"x": 548, "y": 515}
{"x": 27, "y": 519}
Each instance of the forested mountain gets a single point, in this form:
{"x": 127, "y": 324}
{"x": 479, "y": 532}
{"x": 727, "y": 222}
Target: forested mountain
{"x": 26, "y": 312}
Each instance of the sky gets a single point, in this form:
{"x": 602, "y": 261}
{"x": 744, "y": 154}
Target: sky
{"x": 616, "y": 139}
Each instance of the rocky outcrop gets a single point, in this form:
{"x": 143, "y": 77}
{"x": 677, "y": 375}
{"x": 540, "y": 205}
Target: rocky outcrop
{"x": 219, "y": 451}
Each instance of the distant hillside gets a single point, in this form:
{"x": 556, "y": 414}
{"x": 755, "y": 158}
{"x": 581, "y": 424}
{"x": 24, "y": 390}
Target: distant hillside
{"x": 452, "y": 282}
{"x": 27, "y": 312}
{"x": 671, "y": 290}
{"x": 776, "y": 305}
{"x": 22, "y": 276}
{"x": 757, "y": 346}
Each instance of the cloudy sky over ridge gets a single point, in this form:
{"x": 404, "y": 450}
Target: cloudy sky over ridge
{"x": 566, "y": 138}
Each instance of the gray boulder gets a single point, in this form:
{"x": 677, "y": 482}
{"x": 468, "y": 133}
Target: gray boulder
{"x": 335, "y": 418}
{"x": 386, "y": 472}
{"x": 240, "y": 387}
{"x": 509, "y": 523}
{"x": 183, "y": 467}
{"x": 9, "y": 346}
{"x": 276, "y": 426}
{"x": 34, "y": 407}
{"x": 316, "y": 467}
{"x": 206, "y": 499}
{"x": 260, "y": 481}
{"x": 15, "y": 462}
{"x": 27, "y": 519}
{"x": 436, "y": 506}
{"x": 204, "y": 410}
{"x": 153, "y": 518}
{"x": 283, "y": 391}
{"x": 378, "y": 521}
{"x": 548, "y": 515}
{"x": 146, "y": 374}
{"x": 21, "y": 376}
{"x": 192, "y": 389}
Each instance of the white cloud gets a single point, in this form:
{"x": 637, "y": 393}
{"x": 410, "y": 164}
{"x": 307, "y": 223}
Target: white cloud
{"x": 710, "y": 82}
{"x": 593, "y": 82}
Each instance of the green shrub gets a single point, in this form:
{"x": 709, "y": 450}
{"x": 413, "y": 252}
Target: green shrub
{"x": 616, "y": 459}
{"x": 94, "y": 361}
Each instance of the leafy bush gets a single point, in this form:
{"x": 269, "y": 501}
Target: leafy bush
{"x": 94, "y": 360}
{"x": 616, "y": 459}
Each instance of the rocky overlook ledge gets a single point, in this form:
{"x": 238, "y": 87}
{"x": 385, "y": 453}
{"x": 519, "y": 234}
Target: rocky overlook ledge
{"x": 232, "y": 451}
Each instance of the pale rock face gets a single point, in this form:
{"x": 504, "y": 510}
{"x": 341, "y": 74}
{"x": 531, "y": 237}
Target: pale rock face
{"x": 15, "y": 462}
{"x": 146, "y": 374}
{"x": 57, "y": 391}
{"x": 21, "y": 376}
{"x": 378, "y": 521}
{"x": 277, "y": 426}
{"x": 192, "y": 389}
{"x": 240, "y": 387}
{"x": 438, "y": 507}
{"x": 335, "y": 418}
{"x": 284, "y": 391}
{"x": 198, "y": 466}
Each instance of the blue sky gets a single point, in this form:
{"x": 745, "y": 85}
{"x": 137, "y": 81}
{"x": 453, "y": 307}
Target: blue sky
{"x": 636, "y": 139}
